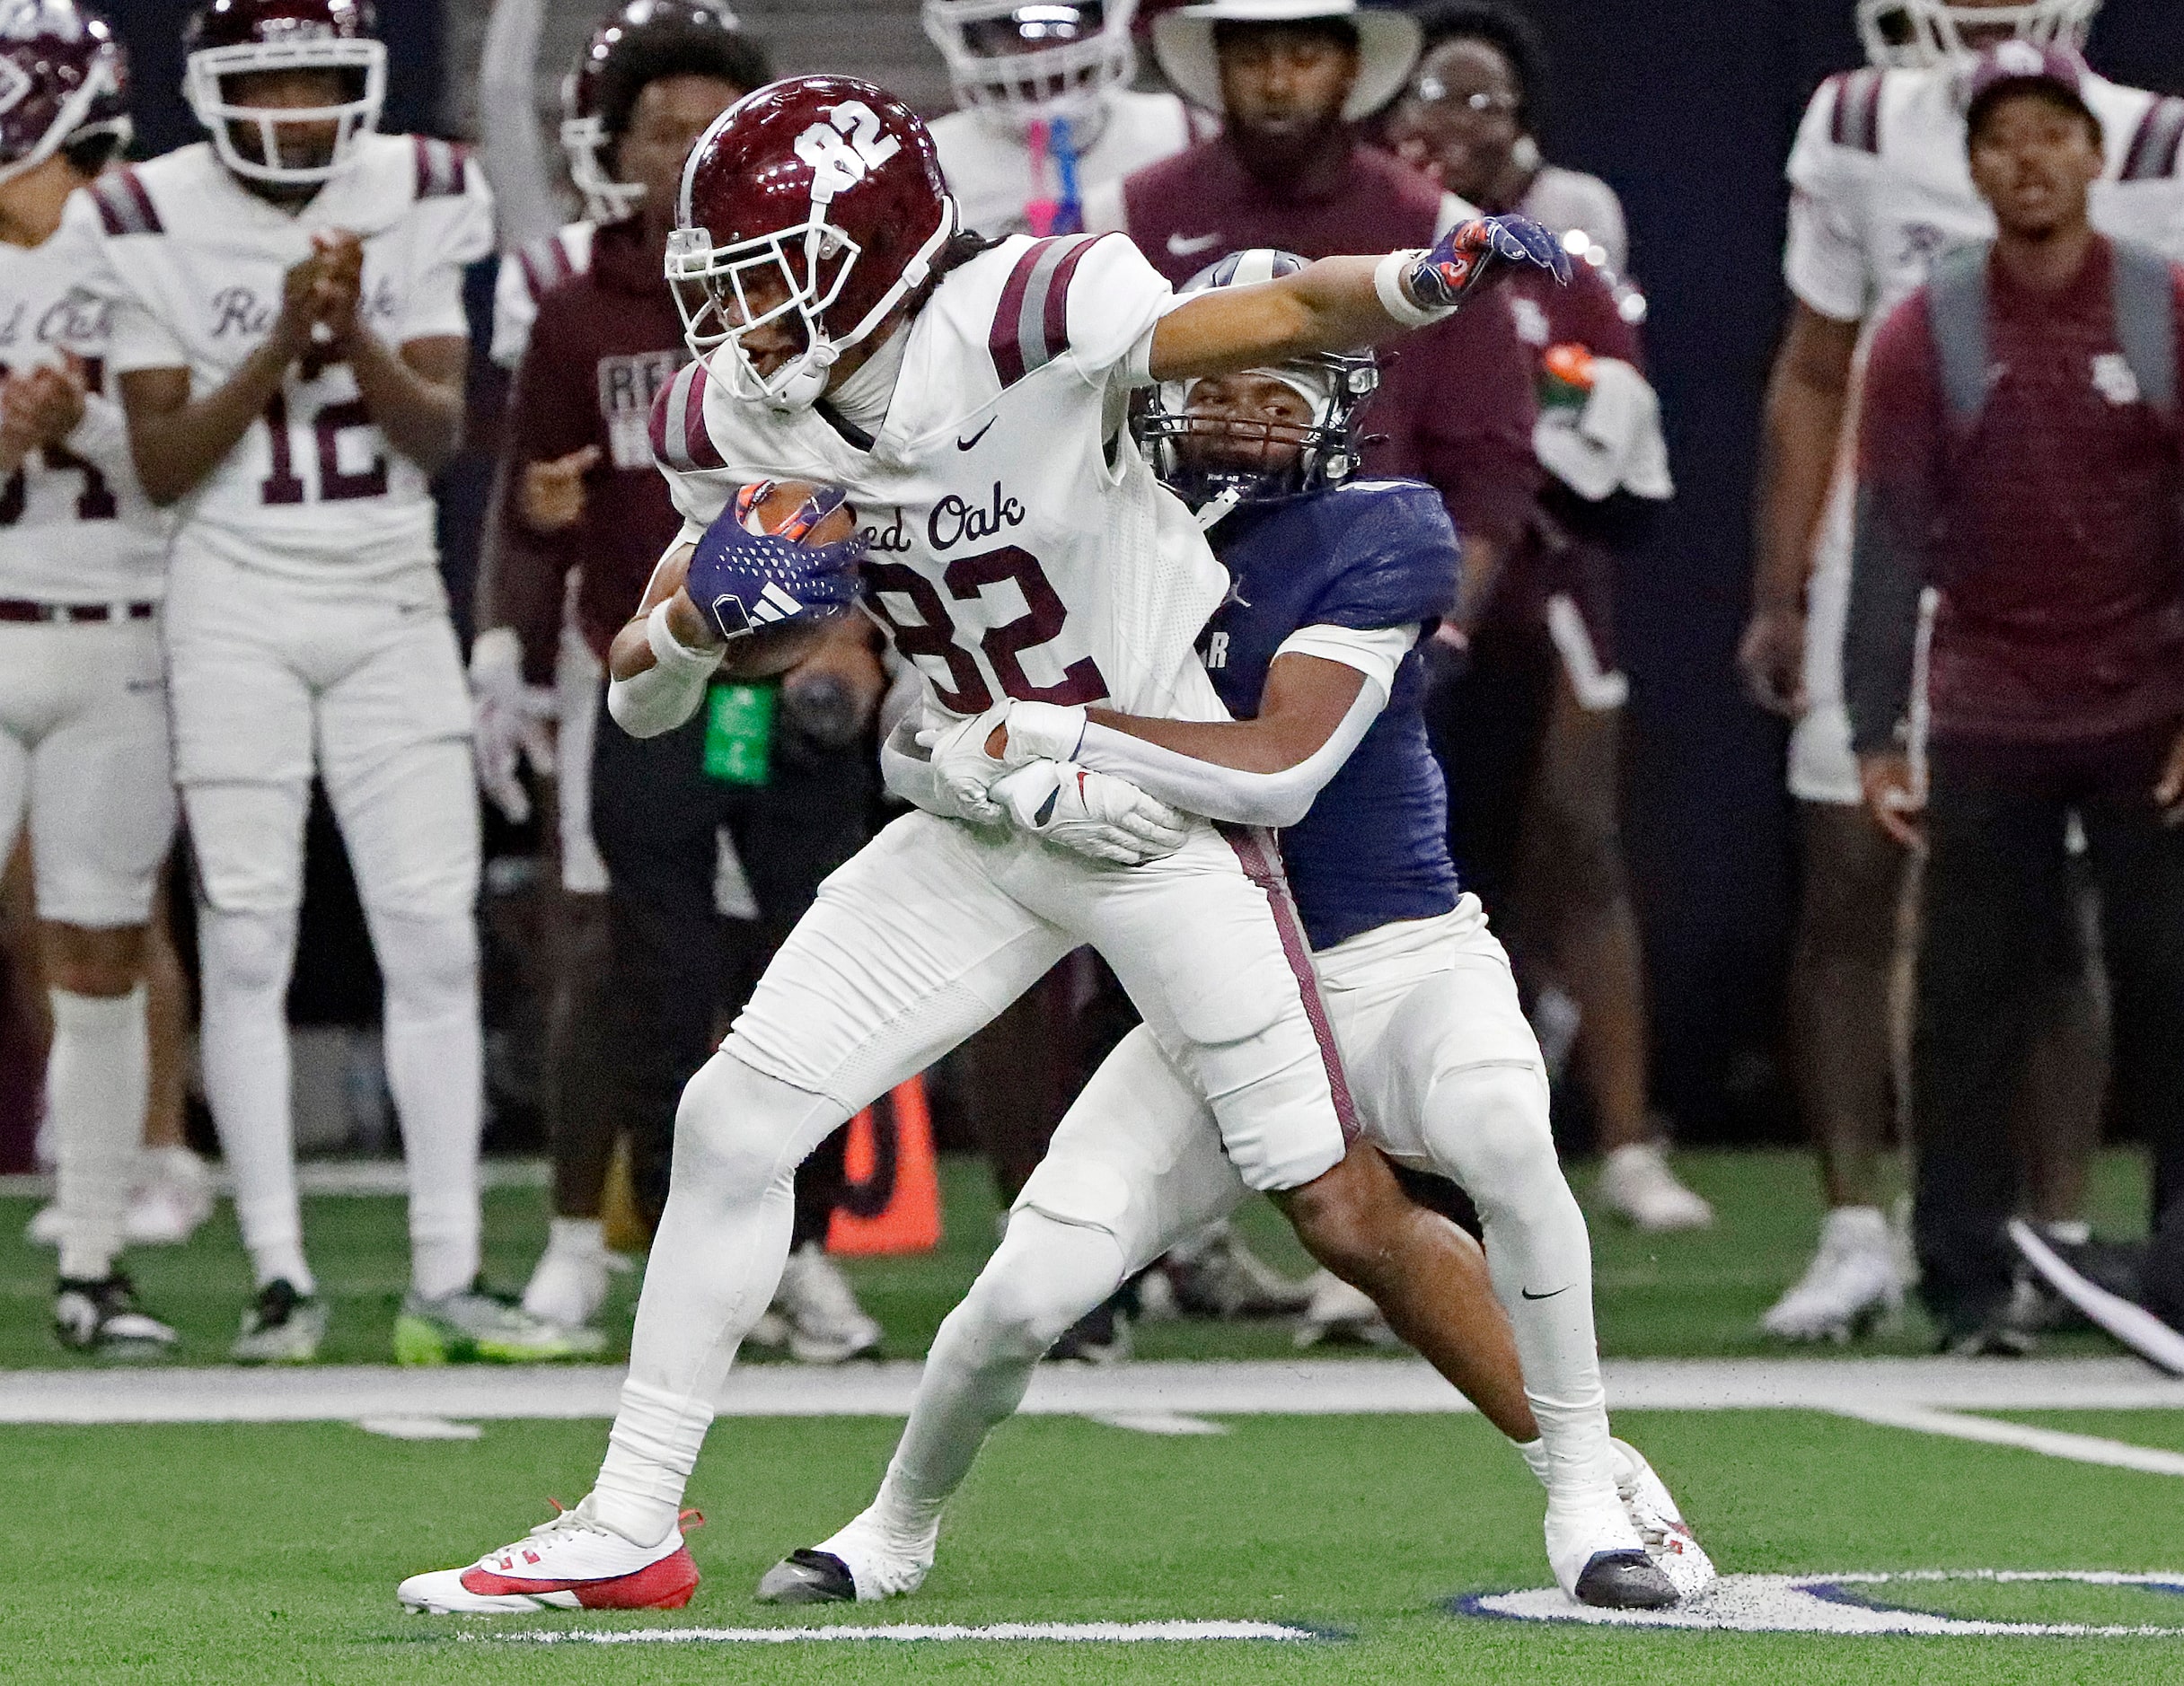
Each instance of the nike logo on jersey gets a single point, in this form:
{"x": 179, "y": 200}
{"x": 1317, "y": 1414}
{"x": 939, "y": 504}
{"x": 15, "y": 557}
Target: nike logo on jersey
{"x": 1191, "y": 245}
{"x": 1530, "y": 1296}
{"x": 966, "y": 445}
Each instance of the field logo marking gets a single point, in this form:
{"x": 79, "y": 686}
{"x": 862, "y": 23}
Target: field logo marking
{"x": 1839, "y": 1603}
{"x": 1064, "y": 1632}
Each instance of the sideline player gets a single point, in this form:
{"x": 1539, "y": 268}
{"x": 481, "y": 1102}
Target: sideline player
{"x": 289, "y": 337}
{"x": 1046, "y": 114}
{"x": 971, "y": 398}
{"x": 1881, "y": 188}
{"x": 1335, "y": 583}
{"x": 83, "y": 699}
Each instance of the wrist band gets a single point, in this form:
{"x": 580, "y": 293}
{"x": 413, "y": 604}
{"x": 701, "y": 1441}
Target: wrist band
{"x": 671, "y": 652}
{"x": 1395, "y": 299}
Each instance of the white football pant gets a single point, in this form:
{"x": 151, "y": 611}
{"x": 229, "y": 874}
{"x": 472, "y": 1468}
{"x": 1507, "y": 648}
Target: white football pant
{"x": 274, "y": 680}
{"x": 83, "y": 748}
{"x": 1448, "y": 1078}
{"x": 929, "y": 932}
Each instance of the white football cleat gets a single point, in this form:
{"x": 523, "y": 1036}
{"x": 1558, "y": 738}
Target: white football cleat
{"x": 1597, "y": 1555}
{"x": 863, "y": 1564}
{"x": 1342, "y": 1315}
{"x": 569, "y": 1283}
{"x": 826, "y": 1325}
{"x": 1853, "y": 1282}
{"x": 1637, "y": 1185}
{"x": 171, "y": 1200}
{"x": 570, "y": 1563}
{"x": 1668, "y": 1541}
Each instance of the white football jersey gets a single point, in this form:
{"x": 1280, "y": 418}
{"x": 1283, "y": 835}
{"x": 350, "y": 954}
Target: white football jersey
{"x": 526, "y": 276}
{"x": 987, "y": 158}
{"x": 75, "y": 525}
{"x": 1021, "y": 547}
{"x": 194, "y": 263}
{"x": 1881, "y": 186}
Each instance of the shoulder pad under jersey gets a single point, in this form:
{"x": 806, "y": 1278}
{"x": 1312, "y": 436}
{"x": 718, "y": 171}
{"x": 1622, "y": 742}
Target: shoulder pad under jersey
{"x": 2154, "y": 148}
{"x": 1393, "y": 557}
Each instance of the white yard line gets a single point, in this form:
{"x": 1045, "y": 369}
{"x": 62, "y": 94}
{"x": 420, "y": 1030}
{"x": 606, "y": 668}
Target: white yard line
{"x": 1079, "y": 1632}
{"x": 1365, "y": 1386}
{"x": 330, "y": 1176}
{"x": 1994, "y": 1432}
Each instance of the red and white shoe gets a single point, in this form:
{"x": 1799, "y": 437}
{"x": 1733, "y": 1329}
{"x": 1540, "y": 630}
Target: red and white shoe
{"x": 570, "y": 1563}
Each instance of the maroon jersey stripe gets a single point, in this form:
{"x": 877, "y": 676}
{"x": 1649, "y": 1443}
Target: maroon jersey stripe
{"x": 2154, "y": 148}
{"x": 1261, "y": 863}
{"x": 125, "y": 205}
{"x": 1006, "y": 343}
{"x": 439, "y": 168}
{"x": 1057, "y": 317}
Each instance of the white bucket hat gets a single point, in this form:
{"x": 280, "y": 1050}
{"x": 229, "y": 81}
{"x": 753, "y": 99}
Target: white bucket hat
{"x": 1388, "y": 44}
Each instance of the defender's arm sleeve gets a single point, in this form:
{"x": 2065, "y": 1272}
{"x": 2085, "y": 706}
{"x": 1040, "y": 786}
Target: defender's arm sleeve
{"x": 1900, "y": 475}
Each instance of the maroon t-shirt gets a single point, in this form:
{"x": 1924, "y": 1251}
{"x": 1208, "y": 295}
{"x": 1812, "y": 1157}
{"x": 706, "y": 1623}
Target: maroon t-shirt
{"x": 2049, "y": 525}
{"x": 605, "y": 343}
{"x": 1456, "y": 405}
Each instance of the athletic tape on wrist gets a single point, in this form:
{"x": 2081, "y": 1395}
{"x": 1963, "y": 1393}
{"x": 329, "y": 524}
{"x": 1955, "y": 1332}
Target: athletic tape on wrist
{"x": 1387, "y": 286}
{"x": 670, "y": 651}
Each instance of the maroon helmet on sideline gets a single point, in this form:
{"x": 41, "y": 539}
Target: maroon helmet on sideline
{"x": 63, "y": 80}
{"x": 237, "y": 37}
{"x": 583, "y": 136}
{"x": 818, "y": 200}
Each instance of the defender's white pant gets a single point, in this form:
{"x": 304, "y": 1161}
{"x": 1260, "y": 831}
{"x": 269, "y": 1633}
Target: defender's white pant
{"x": 1411, "y": 1003}
{"x": 273, "y": 679}
{"x": 84, "y": 745}
{"x": 935, "y": 928}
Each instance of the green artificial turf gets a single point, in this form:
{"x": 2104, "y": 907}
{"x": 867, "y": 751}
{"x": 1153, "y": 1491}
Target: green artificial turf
{"x": 253, "y": 1553}
{"x": 1691, "y": 1295}
{"x": 221, "y": 1554}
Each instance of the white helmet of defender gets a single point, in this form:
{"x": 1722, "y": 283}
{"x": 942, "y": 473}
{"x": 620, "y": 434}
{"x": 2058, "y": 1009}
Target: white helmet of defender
{"x": 1033, "y": 62}
{"x": 1932, "y": 34}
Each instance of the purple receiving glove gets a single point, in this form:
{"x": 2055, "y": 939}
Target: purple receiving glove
{"x": 1477, "y": 254}
{"x": 743, "y": 581}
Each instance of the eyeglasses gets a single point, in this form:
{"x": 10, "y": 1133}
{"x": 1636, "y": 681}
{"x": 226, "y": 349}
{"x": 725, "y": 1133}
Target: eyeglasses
{"x": 1433, "y": 91}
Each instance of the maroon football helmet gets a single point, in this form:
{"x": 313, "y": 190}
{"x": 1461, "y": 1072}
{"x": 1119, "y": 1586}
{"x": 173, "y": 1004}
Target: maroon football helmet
{"x": 234, "y": 38}
{"x": 818, "y": 199}
{"x": 63, "y": 79}
{"x": 583, "y": 136}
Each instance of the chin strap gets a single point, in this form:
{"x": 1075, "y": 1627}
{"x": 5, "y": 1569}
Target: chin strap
{"x": 1212, "y": 513}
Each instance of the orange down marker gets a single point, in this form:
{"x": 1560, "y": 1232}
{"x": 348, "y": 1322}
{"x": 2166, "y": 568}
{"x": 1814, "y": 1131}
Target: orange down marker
{"x": 892, "y": 1203}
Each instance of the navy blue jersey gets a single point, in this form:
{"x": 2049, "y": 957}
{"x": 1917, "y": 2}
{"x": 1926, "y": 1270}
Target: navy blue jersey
{"x": 1368, "y": 555}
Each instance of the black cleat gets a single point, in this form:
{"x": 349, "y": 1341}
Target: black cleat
{"x": 1101, "y": 1335}
{"x": 102, "y": 1317}
{"x": 806, "y": 1576}
{"x": 1625, "y": 1580}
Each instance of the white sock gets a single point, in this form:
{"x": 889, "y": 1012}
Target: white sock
{"x": 715, "y": 1263}
{"x": 436, "y": 1072}
{"x": 1044, "y": 1276}
{"x": 245, "y": 958}
{"x": 578, "y": 1237}
{"x": 96, "y": 1079}
{"x": 1856, "y": 1229}
{"x": 650, "y": 1453}
{"x": 1488, "y": 1127}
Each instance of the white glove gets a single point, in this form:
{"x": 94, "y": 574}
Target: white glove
{"x": 510, "y": 722}
{"x": 962, "y": 768}
{"x": 1094, "y": 814}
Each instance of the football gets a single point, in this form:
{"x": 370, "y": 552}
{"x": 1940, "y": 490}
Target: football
{"x": 776, "y": 507}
